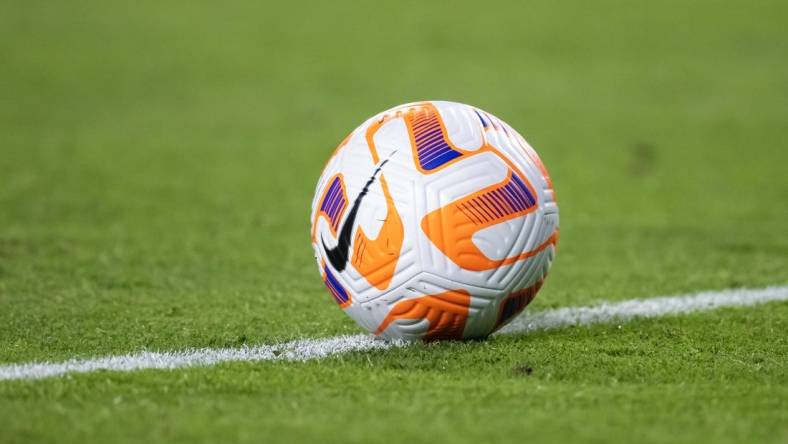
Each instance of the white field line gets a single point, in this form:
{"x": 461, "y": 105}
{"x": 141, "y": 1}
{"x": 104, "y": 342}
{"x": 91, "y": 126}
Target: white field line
{"x": 306, "y": 349}
{"x": 644, "y": 308}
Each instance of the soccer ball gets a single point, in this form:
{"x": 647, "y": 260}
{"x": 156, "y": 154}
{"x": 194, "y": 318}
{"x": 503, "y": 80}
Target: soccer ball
{"x": 434, "y": 220}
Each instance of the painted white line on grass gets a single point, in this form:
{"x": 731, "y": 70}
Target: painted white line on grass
{"x": 300, "y": 350}
{"x": 306, "y": 349}
{"x": 644, "y": 308}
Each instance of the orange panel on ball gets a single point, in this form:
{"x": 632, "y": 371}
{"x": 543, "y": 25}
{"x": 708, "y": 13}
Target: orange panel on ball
{"x": 446, "y": 313}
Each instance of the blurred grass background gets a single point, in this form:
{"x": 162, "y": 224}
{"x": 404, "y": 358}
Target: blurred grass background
{"x": 158, "y": 159}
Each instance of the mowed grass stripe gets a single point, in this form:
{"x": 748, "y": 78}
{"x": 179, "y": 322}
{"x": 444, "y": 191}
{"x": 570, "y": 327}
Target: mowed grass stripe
{"x": 306, "y": 349}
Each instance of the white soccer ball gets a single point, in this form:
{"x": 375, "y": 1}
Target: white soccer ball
{"x": 434, "y": 220}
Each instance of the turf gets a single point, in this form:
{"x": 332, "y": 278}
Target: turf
{"x": 158, "y": 159}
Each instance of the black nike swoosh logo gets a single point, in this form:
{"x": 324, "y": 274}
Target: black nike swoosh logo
{"x": 338, "y": 256}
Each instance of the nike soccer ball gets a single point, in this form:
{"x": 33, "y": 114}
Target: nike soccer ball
{"x": 434, "y": 220}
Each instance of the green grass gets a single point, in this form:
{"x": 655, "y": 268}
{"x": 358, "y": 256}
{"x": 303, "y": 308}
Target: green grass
{"x": 157, "y": 162}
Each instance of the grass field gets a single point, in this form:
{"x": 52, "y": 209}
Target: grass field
{"x": 157, "y": 164}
